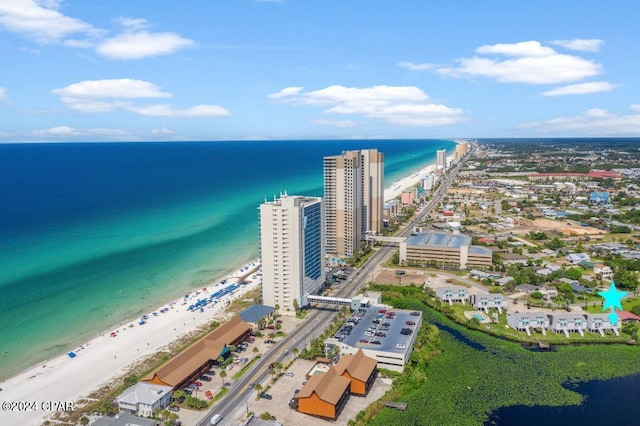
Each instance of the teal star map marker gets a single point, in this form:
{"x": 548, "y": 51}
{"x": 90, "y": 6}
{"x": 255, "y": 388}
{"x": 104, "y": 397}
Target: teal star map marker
{"x": 612, "y": 300}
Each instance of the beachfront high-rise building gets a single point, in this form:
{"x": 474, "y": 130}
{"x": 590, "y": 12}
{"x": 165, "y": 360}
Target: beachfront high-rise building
{"x": 354, "y": 198}
{"x": 292, "y": 250}
{"x": 441, "y": 160}
{"x": 461, "y": 149}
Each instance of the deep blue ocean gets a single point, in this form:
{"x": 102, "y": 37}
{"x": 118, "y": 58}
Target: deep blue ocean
{"x": 93, "y": 234}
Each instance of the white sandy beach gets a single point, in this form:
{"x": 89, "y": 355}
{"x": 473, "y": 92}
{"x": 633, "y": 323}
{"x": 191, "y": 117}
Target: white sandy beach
{"x": 390, "y": 193}
{"x": 68, "y": 379}
{"x": 65, "y": 379}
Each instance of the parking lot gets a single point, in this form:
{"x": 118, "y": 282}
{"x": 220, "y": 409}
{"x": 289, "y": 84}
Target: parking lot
{"x": 189, "y": 416}
{"x": 284, "y": 389}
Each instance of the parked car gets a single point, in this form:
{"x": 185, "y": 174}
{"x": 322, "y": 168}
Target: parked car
{"x": 173, "y": 408}
{"x": 380, "y": 334}
{"x": 376, "y": 342}
{"x": 364, "y": 341}
{"x": 265, "y": 396}
{"x": 415, "y": 313}
{"x": 410, "y": 323}
{"x": 198, "y": 384}
{"x": 205, "y": 378}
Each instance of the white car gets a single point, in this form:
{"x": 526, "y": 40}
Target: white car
{"x": 400, "y": 346}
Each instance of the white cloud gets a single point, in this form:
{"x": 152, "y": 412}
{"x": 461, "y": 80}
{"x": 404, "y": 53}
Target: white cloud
{"x": 3, "y": 93}
{"x": 133, "y": 24}
{"x": 286, "y": 92}
{"x": 393, "y": 104}
{"x": 41, "y": 20}
{"x": 416, "y": 67}
{"x": 594, "y": 122}
{"x": 96, "y": 96}
{"x": 529, "y": 62}
{"x": 67, "y": 132}
{"x": 524, "y": 49}
{"x": 581, "y": 88}
{"x": 142, "y": 44}
{"x": 340, "y": 124}
{"x": 169, "y": 111}
{"x": 114, "y": 88}
{"x": 162, "y": 132}
{"x": 583, "y": 44}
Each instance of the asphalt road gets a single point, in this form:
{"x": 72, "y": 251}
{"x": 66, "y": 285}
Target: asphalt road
{"x": 317, "y": 320}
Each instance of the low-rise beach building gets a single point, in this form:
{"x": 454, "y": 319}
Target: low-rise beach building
{"x": 527, "y": 321}
{"x": 566, "y": 323}
{"x": 256, "y": 313}
{"x": 600, "y": 323}
{"x": 484, "y": 302}
{"x": 124, "y": 419}
{"x": 360, "y": 370}
{"x": 324, "y": 395}
{"x": 143, "y": 398}
{"x": 453, "y": 293}
{"x": 186, "y": 367}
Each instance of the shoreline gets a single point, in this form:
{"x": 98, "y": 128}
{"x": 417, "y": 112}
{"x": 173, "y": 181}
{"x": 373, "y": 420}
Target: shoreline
{"x": 111, "y": 353}
{"x": 96, "y": 368}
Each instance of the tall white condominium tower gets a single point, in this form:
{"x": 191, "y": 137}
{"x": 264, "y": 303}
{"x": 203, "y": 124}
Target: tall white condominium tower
{"x": 354, "y": 198}
{"x": 441, "y": 159}
{"x": 292, "y": 250}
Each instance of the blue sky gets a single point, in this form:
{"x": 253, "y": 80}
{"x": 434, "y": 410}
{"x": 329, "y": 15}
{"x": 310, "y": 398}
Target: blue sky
{"x": 144, "y": 70}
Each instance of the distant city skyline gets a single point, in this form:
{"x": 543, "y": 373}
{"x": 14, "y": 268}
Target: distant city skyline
{"x": 287, "y": 69}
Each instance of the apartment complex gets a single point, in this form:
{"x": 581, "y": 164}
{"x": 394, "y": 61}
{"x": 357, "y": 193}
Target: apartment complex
{"x": 354, "y": 198}
{"x": 292, "y": 250}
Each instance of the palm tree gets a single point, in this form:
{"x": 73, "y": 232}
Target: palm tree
{"x": 256, "y": 350}
{"x": 223, "y": 374}
{"x": 258, "y": 387}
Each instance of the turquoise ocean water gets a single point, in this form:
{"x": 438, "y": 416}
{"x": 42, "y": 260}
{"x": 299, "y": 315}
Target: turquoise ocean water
{"x": 94, "y": 234}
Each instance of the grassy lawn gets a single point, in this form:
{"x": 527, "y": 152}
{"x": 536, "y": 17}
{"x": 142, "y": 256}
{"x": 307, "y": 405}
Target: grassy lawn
{"x": 468, "y": 374}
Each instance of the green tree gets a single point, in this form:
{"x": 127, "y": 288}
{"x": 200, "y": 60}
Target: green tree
{"x": 573, "y": 273}
{"x": 223, "y": 374}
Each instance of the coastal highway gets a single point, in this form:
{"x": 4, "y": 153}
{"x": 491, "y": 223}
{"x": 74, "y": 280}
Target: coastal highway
{"x": 317, "y": 320}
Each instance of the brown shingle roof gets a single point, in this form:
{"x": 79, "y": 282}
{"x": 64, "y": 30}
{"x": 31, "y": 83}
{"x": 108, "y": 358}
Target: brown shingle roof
{"x": 205, "y": 349}
{"x": 329, "y": 386}
{"x": 359, "y": 366}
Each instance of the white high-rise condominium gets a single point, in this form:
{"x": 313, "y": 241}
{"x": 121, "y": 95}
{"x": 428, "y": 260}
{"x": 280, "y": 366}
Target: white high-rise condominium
{"x": 354, "y": 198}
{"x": 292, "y": 251}
{"x": 441, "y": 159}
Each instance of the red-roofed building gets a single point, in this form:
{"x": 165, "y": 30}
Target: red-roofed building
{"x": 627, "y": 317}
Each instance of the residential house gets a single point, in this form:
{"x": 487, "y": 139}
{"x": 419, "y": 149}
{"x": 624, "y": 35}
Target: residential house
{"x": 548, "y": 292}
{"x": 628, "y": 317}
{"x": 576, "y": 258}
{"x": 566, "y": 323}
{"x": 453, "y": 293}
{"x": 526, "y": 321}
{"x": 527, "y": 288}
{"x": 603, "y": 272}
{"x": 601, "y": 322}
{"x": 488, "y": 301}
{"x": 143, "y": 398}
